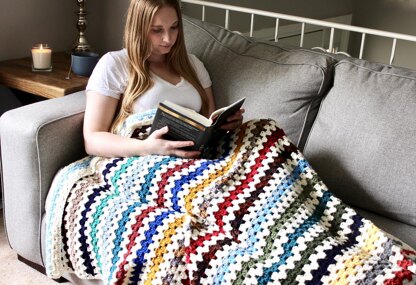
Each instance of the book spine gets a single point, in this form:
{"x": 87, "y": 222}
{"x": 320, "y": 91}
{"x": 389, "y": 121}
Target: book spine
{"x": 203, "y": 139}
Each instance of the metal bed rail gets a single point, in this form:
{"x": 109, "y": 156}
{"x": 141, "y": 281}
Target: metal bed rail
{"x": 305, "y": 21}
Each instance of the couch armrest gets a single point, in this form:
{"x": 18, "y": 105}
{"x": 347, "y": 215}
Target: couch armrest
{"x": 36, "y": 140}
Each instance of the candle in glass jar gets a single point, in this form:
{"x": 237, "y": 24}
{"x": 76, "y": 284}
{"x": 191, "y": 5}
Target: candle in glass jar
{"x": 42, "y": 56}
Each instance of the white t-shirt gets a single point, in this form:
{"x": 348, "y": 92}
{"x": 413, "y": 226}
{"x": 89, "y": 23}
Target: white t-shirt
{"x": 110, "y": 78}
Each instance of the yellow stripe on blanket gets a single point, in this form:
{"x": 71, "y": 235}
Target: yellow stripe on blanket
{"x": 162, "y": 249}
{"x": 158, "y": 259}
{"x": 219, "y": 173}
{"x": 358, "y": 259}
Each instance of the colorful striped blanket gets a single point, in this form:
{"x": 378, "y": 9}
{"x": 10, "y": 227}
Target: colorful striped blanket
{"x": 255, "y": 212}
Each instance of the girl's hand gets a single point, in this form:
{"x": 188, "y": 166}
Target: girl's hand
{"x": 155, "y": 144}
{"x": 234, "y": 121}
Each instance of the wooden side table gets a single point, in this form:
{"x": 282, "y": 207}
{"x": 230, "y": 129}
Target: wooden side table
{"x": 17, "y": 74}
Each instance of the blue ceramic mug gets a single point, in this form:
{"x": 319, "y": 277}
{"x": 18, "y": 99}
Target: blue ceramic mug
{"x": 83, "y": 63}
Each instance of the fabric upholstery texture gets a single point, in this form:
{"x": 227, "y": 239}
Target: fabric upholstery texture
{"x": 282, "y": 84}
{"x": 362, "y": 143}
{"x": 407, "y": 233}
{"x": 35, "y": 145}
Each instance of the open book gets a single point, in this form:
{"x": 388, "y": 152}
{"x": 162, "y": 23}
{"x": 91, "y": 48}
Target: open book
{"x": 188, "y": 125}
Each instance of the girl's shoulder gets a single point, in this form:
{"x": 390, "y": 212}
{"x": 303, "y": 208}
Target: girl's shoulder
{"x": 194, "y": 59}
{"x": 110, "y": 75}
{"x": 196, "y": 62}
{"x": 118, "y": 57}
{"x": 200, "y": 70}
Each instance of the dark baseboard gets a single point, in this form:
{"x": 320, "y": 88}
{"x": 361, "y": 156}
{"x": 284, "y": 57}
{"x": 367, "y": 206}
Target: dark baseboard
{"x": 38, "y": 268}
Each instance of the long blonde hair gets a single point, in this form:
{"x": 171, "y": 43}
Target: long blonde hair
{"x": 138, "y": 23}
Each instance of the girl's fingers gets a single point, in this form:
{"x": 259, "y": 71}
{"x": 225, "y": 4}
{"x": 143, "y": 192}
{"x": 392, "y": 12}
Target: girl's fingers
{"x": 160, "y": 132}
{"x": 187, "y": 153}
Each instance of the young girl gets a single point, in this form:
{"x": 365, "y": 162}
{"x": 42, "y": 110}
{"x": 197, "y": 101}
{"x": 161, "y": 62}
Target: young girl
{"x": 153, "y": 66}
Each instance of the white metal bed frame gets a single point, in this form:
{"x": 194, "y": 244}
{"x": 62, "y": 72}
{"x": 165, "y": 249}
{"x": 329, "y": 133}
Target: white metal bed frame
{"x": 304, "y": 21}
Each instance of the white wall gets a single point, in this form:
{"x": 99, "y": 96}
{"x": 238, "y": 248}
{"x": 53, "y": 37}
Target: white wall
{"x": 317, "y": 9}
{"x": 391, "y": 15}
{"x": 24, "y": 23}
{"x": 106, "y": 24}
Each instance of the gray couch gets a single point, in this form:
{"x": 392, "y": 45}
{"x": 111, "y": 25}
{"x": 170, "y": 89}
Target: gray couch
{"x": 354, "y": 120}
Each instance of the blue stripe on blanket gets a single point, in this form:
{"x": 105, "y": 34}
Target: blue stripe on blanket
{"x": 261, "y": 217}
{"x": 140, "y": 259}
{"x": 300, "y": 231}
{"x": 146, "y": 186}
{"x": 96, "y": 216}
{"x": 185, "y": 180}
{"x": 119, "y": 235}
{"x": 125, "y": 215}
{"x": 204, "y": 166}
{"x": 83, "y": 237}
{"x": 143, "y": 193}
{"x": 330, "y": 254}
{"x": 55, "y": 192}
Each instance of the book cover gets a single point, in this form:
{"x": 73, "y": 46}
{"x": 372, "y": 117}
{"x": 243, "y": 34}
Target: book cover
{"x": 186, "y": 124}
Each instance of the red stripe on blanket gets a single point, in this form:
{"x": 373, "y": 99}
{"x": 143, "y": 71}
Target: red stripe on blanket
{"x": 405, "y": 273}
{"x": 162, "y": 184}
{"x": 272, "y": 139}
{"x": 139, "y": 219}
{"x": 121, "y": 274}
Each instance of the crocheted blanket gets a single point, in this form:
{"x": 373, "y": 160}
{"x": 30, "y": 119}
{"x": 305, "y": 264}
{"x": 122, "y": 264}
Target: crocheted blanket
{"x": 255, "y": 212}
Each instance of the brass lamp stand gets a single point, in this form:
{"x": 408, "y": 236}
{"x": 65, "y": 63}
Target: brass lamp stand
{"x": 81, "y": 44}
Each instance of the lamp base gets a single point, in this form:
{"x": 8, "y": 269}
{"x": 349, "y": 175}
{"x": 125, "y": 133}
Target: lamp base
{"x": 81, "y": 44}
{"x": 82, "y": 48}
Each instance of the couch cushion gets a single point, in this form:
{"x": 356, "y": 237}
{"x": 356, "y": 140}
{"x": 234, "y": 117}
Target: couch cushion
{"x": 279, "y": 83}
{"x": 404, "y": 232}
{"x": 363, "y": 141}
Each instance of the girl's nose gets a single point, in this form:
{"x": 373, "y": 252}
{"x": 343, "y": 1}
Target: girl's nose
{"x": 166, "y": 37}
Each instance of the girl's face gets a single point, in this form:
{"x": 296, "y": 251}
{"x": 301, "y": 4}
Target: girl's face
{"x": 163, "y": 30}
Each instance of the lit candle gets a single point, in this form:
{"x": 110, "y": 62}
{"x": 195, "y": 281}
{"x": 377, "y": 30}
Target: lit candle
{"x": 42, "y": 56}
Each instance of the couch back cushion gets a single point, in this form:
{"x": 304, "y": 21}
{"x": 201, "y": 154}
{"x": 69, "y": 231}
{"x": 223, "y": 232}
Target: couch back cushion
{"x": 286, "y": 85}
{"x": 363, "y": 141}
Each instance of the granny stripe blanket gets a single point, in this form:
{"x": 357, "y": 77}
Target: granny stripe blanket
{"x": 256, "y": 213}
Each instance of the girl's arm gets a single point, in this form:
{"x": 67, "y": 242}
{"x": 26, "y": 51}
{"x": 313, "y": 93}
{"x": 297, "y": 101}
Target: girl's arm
{"x": 99, "y": 115}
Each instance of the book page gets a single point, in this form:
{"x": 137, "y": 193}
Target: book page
{"x": 190, "y": 113}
